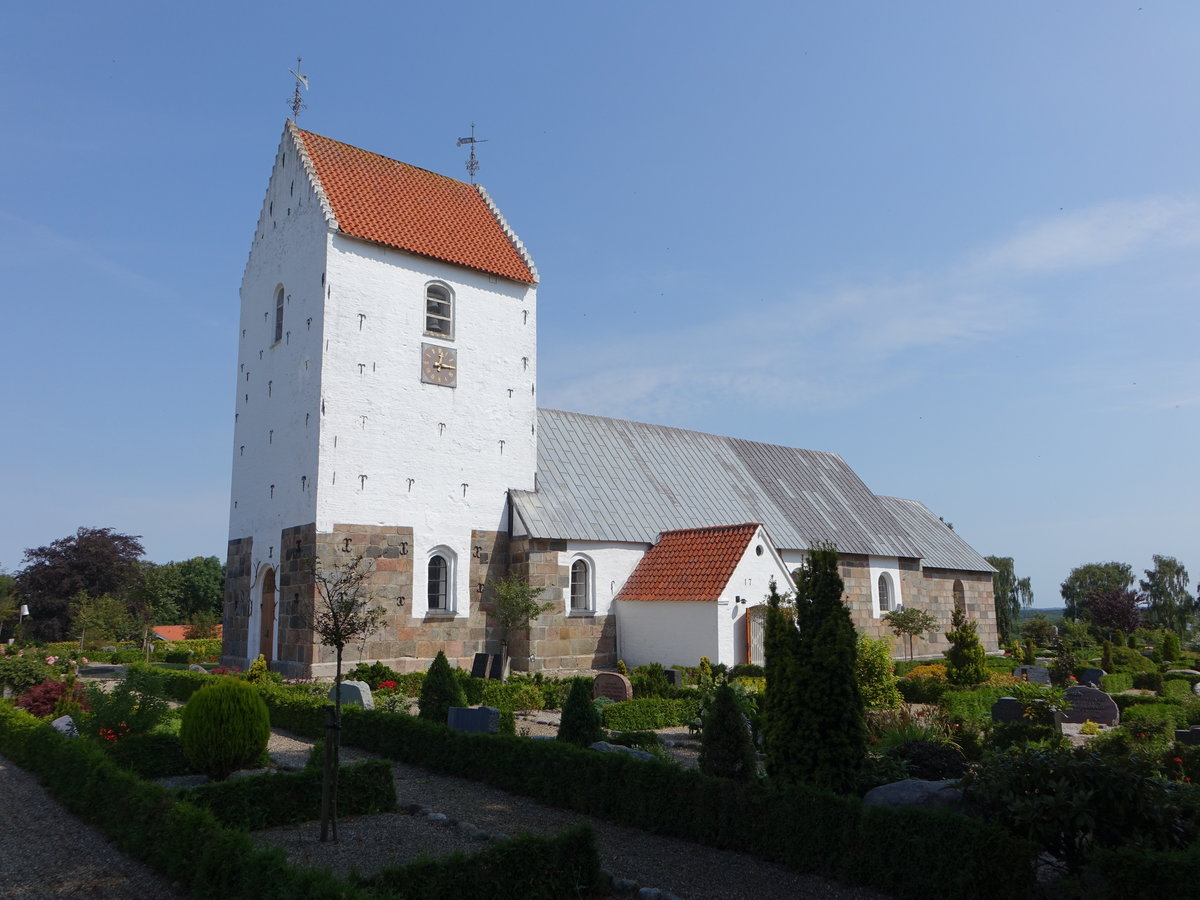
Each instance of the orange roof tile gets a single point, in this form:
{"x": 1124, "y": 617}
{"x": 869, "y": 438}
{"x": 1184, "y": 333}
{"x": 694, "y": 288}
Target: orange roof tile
{"x": 689, "y": 564}
{"x": 174, "y": 632}
{"x": 399, "y": 205}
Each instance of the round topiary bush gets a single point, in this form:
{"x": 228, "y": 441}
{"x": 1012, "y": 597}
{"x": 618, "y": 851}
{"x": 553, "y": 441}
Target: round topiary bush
{"x": 225, "y": 727}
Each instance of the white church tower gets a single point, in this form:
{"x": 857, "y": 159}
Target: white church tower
{"x": 385, "y": 404}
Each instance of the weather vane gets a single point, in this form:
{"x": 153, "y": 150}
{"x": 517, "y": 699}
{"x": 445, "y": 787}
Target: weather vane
{"x": 296, "y": 103}
{"x": 472, "y": 162}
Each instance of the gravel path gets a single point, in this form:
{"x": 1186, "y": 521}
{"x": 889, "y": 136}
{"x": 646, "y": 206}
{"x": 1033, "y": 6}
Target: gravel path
{"x": 688, "y": 870}
{"x": 46, "y": 852}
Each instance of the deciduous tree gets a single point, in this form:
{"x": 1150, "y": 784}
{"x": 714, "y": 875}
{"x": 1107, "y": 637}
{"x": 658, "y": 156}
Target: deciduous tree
{"x": 1117, "y": 608}
{"x": 517, "y": 605}
{"x": 94, "y": 561}
{"x": 1086, "y": 581}
{"x": 1170, "y": 602}
{"x": 911, "y": 622}
{"x": 1011, "y": 594}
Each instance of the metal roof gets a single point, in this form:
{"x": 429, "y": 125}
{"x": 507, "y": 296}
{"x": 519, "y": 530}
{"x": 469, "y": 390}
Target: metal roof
{"x": 941, "y": 547}
{"x": 604, "y": 479}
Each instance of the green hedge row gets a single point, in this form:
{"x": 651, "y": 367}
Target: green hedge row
{"x": 972, "y": 706}
{"x": 286, "y": 798}
{"x": 1117, "y": 682}
{"x": 1132, "y": 872}
{"x": 190, "y": 846}
{"x": 648, "y": 713}
{"x": 808, "y": 830}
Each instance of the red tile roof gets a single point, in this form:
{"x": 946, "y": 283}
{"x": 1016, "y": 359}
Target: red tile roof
{"x": 174, "y": 632}
{"x": 399, "y": 205}
{"x": 689, "y": 564}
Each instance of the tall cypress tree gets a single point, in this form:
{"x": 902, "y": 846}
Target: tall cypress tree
{"x": 830, "y": 736}
{"x": 781, "y": 704}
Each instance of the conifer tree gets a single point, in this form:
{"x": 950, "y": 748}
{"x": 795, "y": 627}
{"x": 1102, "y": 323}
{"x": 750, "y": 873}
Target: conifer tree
{"x": 580, "y": 723}
{"x": 831, "y": 732}
{"x": 726, "y": 748}
{"x": 440, "y": 691}
{"x": 782, "y": 701}
{"x": 966, "y": 658}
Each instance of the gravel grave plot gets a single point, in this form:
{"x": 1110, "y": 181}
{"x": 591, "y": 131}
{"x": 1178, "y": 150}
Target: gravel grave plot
{"x": 689, "y": 871}
{"x": 46, "y": 851}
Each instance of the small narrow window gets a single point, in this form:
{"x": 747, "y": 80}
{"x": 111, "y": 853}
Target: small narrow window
{"x": 960, "y": 596}
{"x": 439, "y": 582}
{"x": 885, "y": 600}
{"x": 279, "y": 314}
{"x": 439, "y": 311}
{"x": 581, "y": 599}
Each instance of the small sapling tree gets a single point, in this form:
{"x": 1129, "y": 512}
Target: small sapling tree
{"x": 911, "y": 622}
{"x": 343, "y": 612}
{"x": 966, "y": 658}
{"x": 517, "y": 605}
{"x": 726, "y": 747}
{"x": 439, "y": 691}
{"x": 580, "y": 723}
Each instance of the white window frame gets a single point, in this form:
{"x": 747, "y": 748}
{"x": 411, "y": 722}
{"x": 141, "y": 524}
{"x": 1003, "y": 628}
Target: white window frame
{"x": 448, "y": 597}
{"x": 431, "y": 291}
{"x": 589, "y": 586}
{"x": 889, "y": 569}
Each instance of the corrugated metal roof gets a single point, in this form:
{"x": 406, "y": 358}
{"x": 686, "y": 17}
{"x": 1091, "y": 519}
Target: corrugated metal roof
{"x": 941, "y": 547}
{"x": 613, "y": 480}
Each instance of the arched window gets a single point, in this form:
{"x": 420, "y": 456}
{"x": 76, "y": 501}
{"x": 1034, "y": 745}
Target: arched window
{"x": 439, "y": 582}
{"x": 439, "y": 310}
{"x": 581, "y": 594}
{"x": 960, "y": 596}
{"x": 885, "y": 599}
{"x": 279, "y": 313}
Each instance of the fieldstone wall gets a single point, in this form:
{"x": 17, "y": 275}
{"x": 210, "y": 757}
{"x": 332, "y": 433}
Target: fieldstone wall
{"x": 560, "y": 641}
{"x": 235, "y": 619}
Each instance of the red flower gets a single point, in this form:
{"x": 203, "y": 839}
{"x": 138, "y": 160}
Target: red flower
{"x": 1177, "y": 761}
{"x": 388, "y": 685}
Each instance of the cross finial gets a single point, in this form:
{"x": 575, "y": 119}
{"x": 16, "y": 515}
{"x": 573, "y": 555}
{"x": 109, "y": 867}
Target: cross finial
{"x": 472, "y": 162}
{"x": 296, "y": 103}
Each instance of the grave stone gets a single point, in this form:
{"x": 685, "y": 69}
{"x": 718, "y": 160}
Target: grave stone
{"x": 612, "y": 685}
{"x": 498, "y": 670}
{"x": 479, "y": 665}
{"x": 1189, "y": 737}
{"x": 195, "y": 668}
{"x": 1089, "y": 704}
{"x": 1182, "y": 672}
{"x": 1008, "y": 709}
{"x": 65, "y": 725}
{"x": 480, "y": 720}
{"x": 674, "y": 678}
{"x": 1092, "y": 677}
{"x": 354, "y": 693}
{"x": 1033, "y": 674}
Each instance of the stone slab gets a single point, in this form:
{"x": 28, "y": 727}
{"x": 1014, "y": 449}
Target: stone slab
{"x": 1088, "y": 704}
{"x": 498, "y": 667}
{"x": 480, "y": 665}
{"x": 475, "y": 720}
{"x": 1033, "y": 674}
{"x": 1189, "y": 737}
{"x": 354, "y": 693}
{"x": 1092, "y": 677}
{"x": 612, "y": 685}
{"x": 1008, "y": 709}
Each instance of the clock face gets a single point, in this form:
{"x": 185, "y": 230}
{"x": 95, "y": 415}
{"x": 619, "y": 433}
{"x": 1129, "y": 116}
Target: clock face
{"x": 439, "y": 365}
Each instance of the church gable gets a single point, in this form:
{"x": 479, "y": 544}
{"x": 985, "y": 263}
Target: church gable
{"x": 398, "y": 205}
{"x": 694, "y": 564}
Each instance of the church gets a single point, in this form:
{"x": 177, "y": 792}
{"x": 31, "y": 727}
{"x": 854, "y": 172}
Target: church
{"x": 387, "y": 408}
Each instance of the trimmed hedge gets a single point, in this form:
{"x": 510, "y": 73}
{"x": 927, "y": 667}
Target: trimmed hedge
{"x": 1116, "y": 682}
{"x": 158, "y": 754}
{"x": 190, "y": 846}
{"x": 286, "y": 798}
{"x": 648, "y": 713}
{"x": 972, "y": 706}
{"x": 1134, "y": 872}
{"x": 806, "y": 829}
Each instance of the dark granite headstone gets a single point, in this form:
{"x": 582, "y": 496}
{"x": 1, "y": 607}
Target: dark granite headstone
{"x": 1008, "y": 709}
{"x": 612, "y": 685}
{"x": 674, "y": 678}
{"x": 476, "y": 720}
{"x": 479, "y": 665}
{"x": 1189, "y": 737}
{"x": 1092, "y": 677}
{"x": 1033, "y": 674}
{"x": 498, "y": 668}
{"x": 1089, "y": 704}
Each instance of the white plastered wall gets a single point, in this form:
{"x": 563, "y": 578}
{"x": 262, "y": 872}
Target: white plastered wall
{"x": 611, "y": 566}
{"x": 278, "y": 382}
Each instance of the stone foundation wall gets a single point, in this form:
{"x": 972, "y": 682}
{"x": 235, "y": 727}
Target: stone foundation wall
{"x": 235, "y": 606}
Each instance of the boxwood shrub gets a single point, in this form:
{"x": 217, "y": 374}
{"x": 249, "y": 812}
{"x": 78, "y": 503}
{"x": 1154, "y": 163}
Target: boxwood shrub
{"x": 1117, "y": 682}
{"x": 648, "y": 713}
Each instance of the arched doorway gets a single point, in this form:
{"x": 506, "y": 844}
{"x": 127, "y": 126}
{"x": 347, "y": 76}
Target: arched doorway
{"x": 266, "y": 623}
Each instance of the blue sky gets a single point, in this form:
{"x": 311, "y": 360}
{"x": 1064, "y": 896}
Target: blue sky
{"x": 955, "y": 243}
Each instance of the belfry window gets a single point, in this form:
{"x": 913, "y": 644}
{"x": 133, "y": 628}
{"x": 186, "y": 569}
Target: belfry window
{"x": 279, "y": 314}
{"x": 439, "y": 311}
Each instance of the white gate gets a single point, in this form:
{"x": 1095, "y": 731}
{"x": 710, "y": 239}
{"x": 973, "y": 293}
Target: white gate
{"x": 756, "y": 623}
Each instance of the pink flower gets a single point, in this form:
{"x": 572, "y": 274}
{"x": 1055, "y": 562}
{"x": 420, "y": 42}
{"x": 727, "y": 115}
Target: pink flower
{"x": 83, "y": 661}
{"x": 51, "y": 660}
